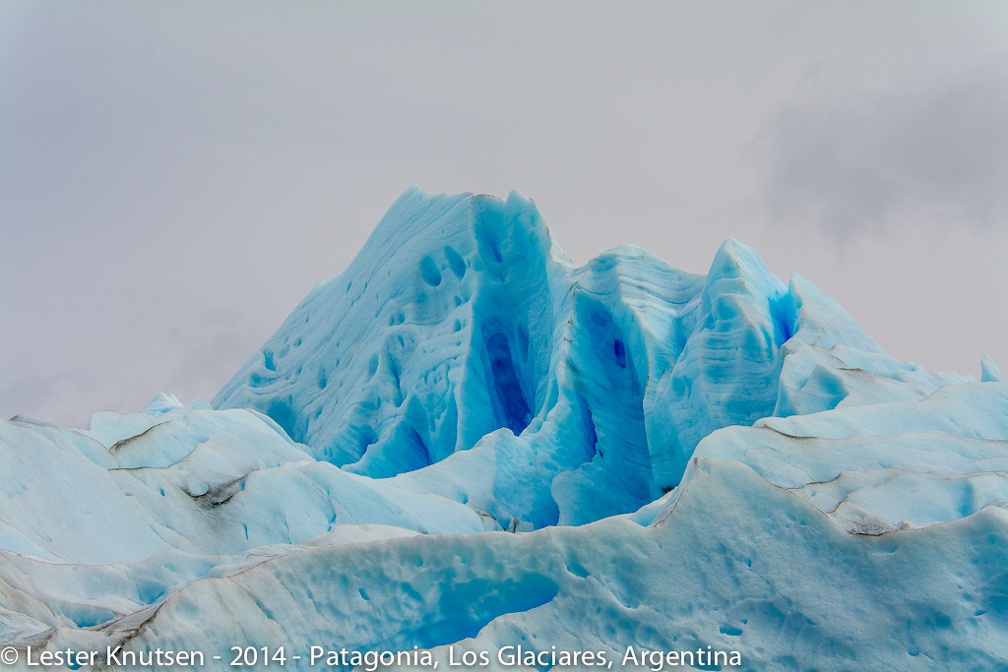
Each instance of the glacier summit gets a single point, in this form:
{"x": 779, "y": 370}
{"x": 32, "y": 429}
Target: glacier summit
{"x": 465, "y": 440}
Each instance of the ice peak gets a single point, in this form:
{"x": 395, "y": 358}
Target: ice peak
{"x": 989, "y": 371}
{"x": 162, "y": 403}
{"x": 736, "y": 261}
{"x": 461, "y": 328}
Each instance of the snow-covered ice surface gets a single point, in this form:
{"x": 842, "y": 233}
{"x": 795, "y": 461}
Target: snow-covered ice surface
{"x": 466, "y": 440}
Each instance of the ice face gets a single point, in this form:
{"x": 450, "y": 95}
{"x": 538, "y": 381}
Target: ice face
{"x": 686, "y": 460}
{"x": 462, "y": 326}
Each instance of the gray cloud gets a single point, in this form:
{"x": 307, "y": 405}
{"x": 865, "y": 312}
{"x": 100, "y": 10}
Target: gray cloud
{"x": 226, "y": 340}
{"x": 936, "y": 155}
{"x": 46, "y": 397}
{"x": 174, "y": 177}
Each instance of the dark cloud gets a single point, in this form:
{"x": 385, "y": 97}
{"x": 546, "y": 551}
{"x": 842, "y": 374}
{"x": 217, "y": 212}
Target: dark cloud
{"x": 936, "y": 155}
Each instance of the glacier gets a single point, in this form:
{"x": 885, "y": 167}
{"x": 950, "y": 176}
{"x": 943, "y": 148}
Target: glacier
{"x": 466, "y": 442}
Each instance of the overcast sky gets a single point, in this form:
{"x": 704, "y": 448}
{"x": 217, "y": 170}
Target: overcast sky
{"x": 174, "y": 177}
